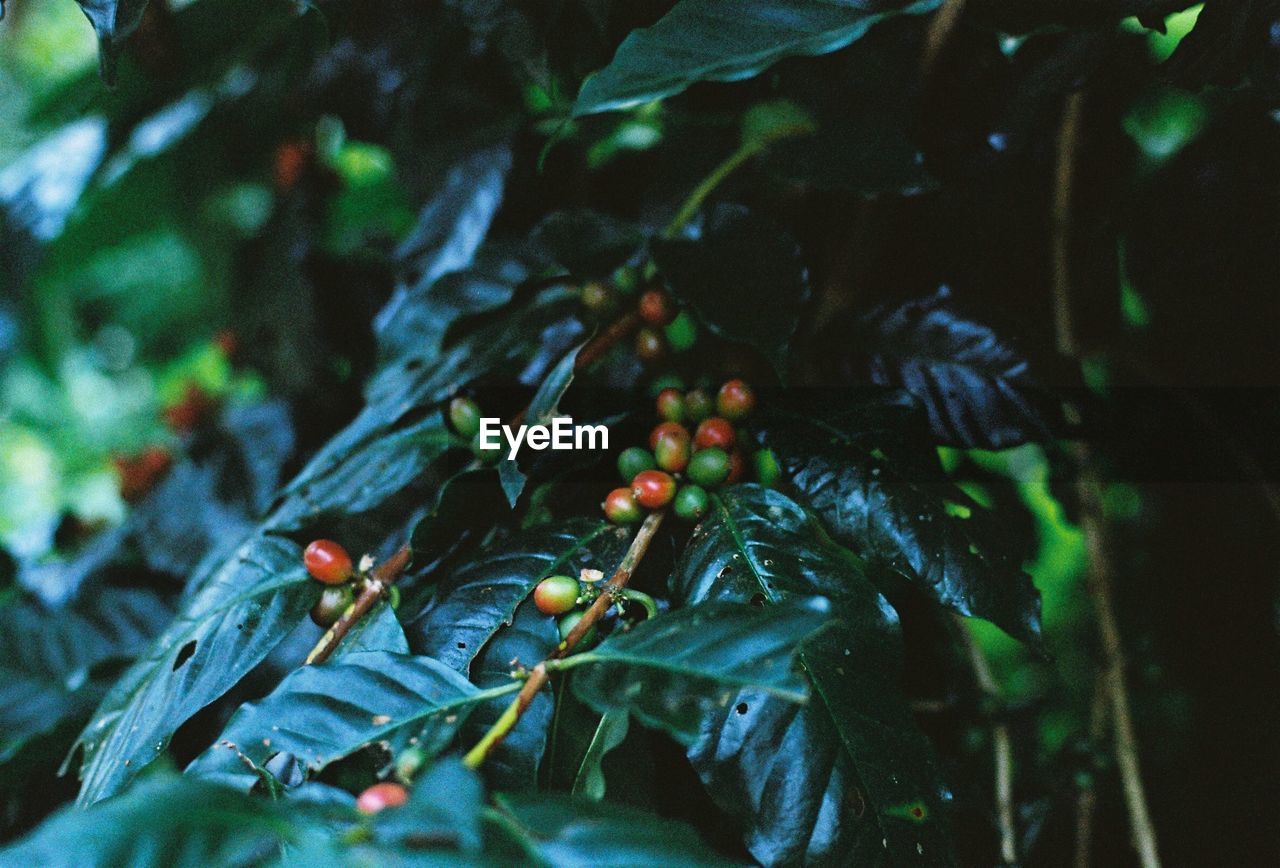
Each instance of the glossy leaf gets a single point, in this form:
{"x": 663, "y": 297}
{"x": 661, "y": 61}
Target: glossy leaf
{"x": 320, "y": 714}
{"x": 744, "y": 278}
{"x": 976, "y": 389}
{"x": 609, "y": 733}
{"x": 862, "y": 467}
{"x": 570, "y": 832}
{"x": 823, "y": 782}
{"x": 233, "y": 619}
{"x": 543, "y": 408}
{"x": 481, "y": 597}
{"x": 673, "y": 671}
{"x": 47, "y": 657}
{"x": 586, "y": 243}
{"x": 703, "y": 40}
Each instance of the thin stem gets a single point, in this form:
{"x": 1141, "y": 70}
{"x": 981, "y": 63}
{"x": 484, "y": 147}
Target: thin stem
{"x": 941, "y": 26}
{"x": 691, "y": 205}
{"x": 539, "y": 674}
{"x": 1002, "y": 746}
{"x": 1089, "y": 487}
{"x": 381, "y": 577}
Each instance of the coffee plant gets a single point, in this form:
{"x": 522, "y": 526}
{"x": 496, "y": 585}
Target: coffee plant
{"x": 589, "y": 432}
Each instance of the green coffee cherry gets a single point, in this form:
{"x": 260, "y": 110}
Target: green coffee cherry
{"x": 690, "y": 503}
{"x": 488, "y": 456}
{"x": 681, "y": 332}
{"x": 464, "y": 416}
{"x": 633, "y": 460}
{"x": 709, "y": 467}
{"x": 568, "y": 622}
{"x": 767, "y": 469}
{"x": 698, "y": 405}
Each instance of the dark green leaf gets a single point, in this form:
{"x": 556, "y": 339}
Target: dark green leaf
{"x": 47, "y": 657}
{"x": 704, "y": 40}
{"x": 587, "y": 244}
{"x": 543, "y": 408}
{"x": 568, "y": 833}
{"x": 443, "y": 812}
{"x": 864, "y": 468}
{"x": 379, "y": 630}
{"x": 231, "y": 621}
{"x": 481, "y": 597}
{"x": 827, "y": 781}
{"x": 114, "y": 21}
{"x": 674, "y": 671}
{"x": 744, "y": 278}
{"x": 323, "y": 713}
{"x": 976, "y": 389}
{"x": 609, "y": 733}
{"x": 165, "y": 822}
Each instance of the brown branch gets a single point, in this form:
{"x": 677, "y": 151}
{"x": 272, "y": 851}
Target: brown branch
{"x": 1086, "y": 799}
{"x": 941, "y": 26}
{"x": 539, "y": 674}
{"x": 601, "y": 343}
{"x": 1002, "y": 746}
{"x": 381, "y": 577}
{"x": 1089, "y": 488}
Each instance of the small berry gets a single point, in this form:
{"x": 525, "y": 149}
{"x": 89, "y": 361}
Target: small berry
{"x": 653, "y": 489}
{"x": 671, "y": 447}
{"x": 568, "y": 622}
{"x": 410, "y": 761}
{"x": 698, "y": 405}
{"x": 193, "y": 408}
{"x": 290, "y": 163}
{"x": 464, "y": 416}
{"x": 651, "y": 346}
{"x": 709, "y": 467}
{"x": 715, "y": 432}
{"x": 620, "y": 506}
{"x": 556, "y": 595}
{"x": 690, "y": 502}
{"x": 737, "y": 468}
{"x": 735, "y": 400}
{"x": 666, "y": 381}
{"x": 140, "y": 473}
{"x": 671, "y": 405}
{"x": 380, "y": 796}
{"x": 767, "y": 469}
{"x": 625, "y": 280}
{"x": 490, "y": 455}
{"x": 596, "y": 296}
{"x": 681, "y": 332}
{"x": 634, "y": 459}
{"x": 333, "y": 601}
{"x": 327, "y": 562}
{"x": 663, "y": 429}
{"x": 656, "y": 307}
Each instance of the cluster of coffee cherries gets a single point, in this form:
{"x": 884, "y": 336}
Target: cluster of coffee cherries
{"x": 664, "y": 327}
{"x": 679, "y": 468}
{"x": 567, "y": 598}
{"x": 329, "y": 564}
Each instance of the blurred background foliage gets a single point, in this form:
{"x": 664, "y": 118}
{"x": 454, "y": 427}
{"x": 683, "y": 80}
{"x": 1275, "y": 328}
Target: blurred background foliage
{"x": 216, "y": 231}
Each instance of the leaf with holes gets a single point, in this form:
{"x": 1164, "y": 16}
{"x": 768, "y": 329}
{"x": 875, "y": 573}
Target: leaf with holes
{"x": 826, "y": 781}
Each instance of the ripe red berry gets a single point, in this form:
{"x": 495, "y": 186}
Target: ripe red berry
{"x": 620, "y": 507}
{"x": 556, "y": 595}
{"x": 651, "y": 346}
{"x": 380, "y": 796}
{"x": 656, "y": 307}
{"x": 290, "y": 163}
{"x": 653, "y": 488}
{"x": 194, "y": 406}
{"x": 140, "y": 473}
{"x": 327, "y": 562}
{"x": 735, "y": 400}
{"x": 715, "y": 432}
{"x": 671, "y": 405}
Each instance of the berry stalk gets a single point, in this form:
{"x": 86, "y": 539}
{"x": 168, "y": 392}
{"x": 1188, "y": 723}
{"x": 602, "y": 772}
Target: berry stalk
{"x": 381, "y": 577}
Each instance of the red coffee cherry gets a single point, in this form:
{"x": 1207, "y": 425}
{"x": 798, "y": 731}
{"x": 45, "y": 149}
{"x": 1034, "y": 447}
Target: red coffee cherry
{"x": 620, "y": 507}
{"x": 735, "y": 400}
{"x": 653, "y": 488}
{"x": 671, "y": 448}
{"x": 656, "y": 307}
{"x": 737, "y": 468}
{"x": 715, "y": 432}
{"x": 327, "y": 562}
{"x": 664, "y": 429}
{"x": 380, "y": 796}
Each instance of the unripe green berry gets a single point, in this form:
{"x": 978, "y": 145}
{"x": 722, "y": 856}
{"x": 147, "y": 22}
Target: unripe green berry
{"x": 633, "y": 460}
{"x": 767, "y": 469}
{"x": 709, "y": 467}
{"x": 333, "y": 601}
{"x": 681, "y": 332}
{"x": 597, "y": 297}
{"x": 488, "y": 456}
{"x": 690, "y": 503}
{"x": 698, "y": 405}
{"x": 670, "y": 404}
{"x": 464, "y": 416}
{"x": 568, "y": 622}
{"x": 672, "y": 448}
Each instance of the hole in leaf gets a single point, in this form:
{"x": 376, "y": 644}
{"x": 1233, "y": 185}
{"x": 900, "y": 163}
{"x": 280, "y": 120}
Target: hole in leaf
{"x": 741, "y": 708}
{"x": 184, "y": 654}
{"x": 462, "y": 646}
